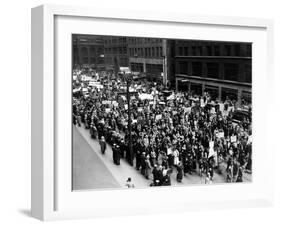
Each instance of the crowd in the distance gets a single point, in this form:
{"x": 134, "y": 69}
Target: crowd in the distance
{"x": 175, "y": 132}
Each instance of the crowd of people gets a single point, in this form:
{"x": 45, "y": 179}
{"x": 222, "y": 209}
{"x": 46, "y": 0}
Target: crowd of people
{"x": 170, "y": 131}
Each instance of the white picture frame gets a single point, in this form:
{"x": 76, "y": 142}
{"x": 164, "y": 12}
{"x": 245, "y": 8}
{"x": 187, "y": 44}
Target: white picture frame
{"x": 52, "y": 197}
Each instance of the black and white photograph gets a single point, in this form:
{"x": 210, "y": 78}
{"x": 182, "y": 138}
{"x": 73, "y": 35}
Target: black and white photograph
{"x": 149, "y": 112}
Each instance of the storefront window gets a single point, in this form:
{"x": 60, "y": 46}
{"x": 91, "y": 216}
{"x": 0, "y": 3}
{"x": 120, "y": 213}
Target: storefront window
{"x": 230, "y": 94}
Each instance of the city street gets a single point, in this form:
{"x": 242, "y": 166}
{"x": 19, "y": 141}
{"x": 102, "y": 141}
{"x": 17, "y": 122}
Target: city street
{"x": 92, "y": 170}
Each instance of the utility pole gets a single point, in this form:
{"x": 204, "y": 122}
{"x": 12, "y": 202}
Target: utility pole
{"x": 164, "y": 57}
{"x": 128, "y": 94}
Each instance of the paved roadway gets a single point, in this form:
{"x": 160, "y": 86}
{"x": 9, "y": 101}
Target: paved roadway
{"x": 92, "y": 170}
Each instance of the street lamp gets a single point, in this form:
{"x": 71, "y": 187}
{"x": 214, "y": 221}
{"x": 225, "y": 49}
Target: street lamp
{"x": 128, "y": 78}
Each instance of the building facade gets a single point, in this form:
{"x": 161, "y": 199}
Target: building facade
{"x": 88, "y": 50}
{"x": 116, "y": 52}
{"x": 223, "y": 69}
{"x": 146, "y": 55}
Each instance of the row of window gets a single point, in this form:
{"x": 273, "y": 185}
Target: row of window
{"x": 92, "y": 51}
{"x": 116, "y": 50}
{"x": 91, "y": 60}
{"x": 226, "y": 93}
{"x": 215, "y": 50}
{"x": 144, "y": 40}
{"x": 155, "y": 69}
{"x": 121, "y": 61}
{"x": 152, "y": 52}
{"x": 229, "y": 71}
{"x": 87, "y": 40}
{"x": 114, "y": 40}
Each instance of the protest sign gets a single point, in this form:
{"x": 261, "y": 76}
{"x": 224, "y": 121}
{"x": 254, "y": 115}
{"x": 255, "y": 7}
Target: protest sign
{"x": 211, "y": 149}
{"x": 115, "y": 104}
{"x": 221, "y": 135}
{"x": 202, "y": 104}
{"x": 187, "y": 110}
{"x": 233, "y": 139}
{"x": 158, "y": 117}
{"x": 106, "y": 102}
{"x": 221, "y": 107}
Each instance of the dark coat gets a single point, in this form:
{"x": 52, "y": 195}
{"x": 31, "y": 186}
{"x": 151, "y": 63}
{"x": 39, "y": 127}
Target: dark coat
{"x": 103, "y": 146}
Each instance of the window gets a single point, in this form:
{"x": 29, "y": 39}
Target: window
{"x": 237, "y": 50}
{"x": 100, "y": 50}
{"x": 196, "y": 88}
{"x": 227, "y": 50}
{"x": 213, "y": 70}
{"x": 157, "y": 52}
{"x": 217, "y": 50}
{"x": 249, "y": 50}
{"x": 84, "y": 51}
{"x": 85, "y": 60}
{"x": 124, "y": 50}
{"x": 180, "y": 51}
{"x": 193, "y": 48}
{"x": 230, "y": 94}
{"x": 231, "y": 71}
{"x": 161, "y": 52}
{"x": 246, "y": 97}
{"x": 186, "y": 51}
{"x": 93, "y": 60}
{"x": 154, "y": 69}
{"x": 200, "y": 50}
{"x": 137, "y": 67}
{"x": 213, "y": 91}
{"x": 152, "y": 52}
{"x": 209, "y": 51}
{"x": 92, "y": 50}
{"x": 183, "y": 67}
{"x": 248, "y": 73}
{"x": 196, "y": 68}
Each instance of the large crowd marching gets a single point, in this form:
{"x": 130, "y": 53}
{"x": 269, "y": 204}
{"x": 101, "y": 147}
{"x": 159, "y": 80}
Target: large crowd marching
{"x": 170, "y": 130}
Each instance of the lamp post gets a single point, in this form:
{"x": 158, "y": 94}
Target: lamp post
{"x": 128, "y": 78}
{"x": 164, "y": 72}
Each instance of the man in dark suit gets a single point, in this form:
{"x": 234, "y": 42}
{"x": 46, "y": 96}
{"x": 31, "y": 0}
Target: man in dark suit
{"x": 102, "y": 145}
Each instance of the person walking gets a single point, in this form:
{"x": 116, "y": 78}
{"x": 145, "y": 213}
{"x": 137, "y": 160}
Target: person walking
{"x": 147, "y": 167}
{"x": 102, "y": 145}
{"x": 129, "y": 183}
{"x": 180, "y": 172}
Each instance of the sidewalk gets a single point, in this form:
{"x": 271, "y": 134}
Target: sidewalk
{"x": 125, "y": 170}
{"x": 121, "y": 172}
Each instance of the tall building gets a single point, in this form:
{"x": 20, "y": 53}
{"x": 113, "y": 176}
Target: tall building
{"x": 147, "y": 55}
{"x": 116, "y": 52}
{"x": 88, "y": 50}
{"x": 223, "y": 69}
